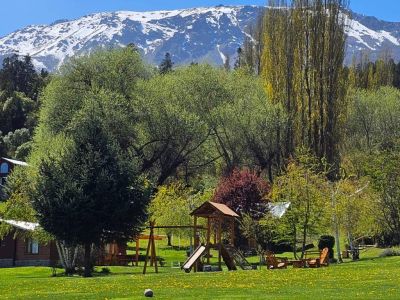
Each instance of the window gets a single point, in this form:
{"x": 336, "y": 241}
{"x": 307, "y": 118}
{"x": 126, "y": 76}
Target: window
{"x": 32, "y": 247}
{"x": 4, "y": 168}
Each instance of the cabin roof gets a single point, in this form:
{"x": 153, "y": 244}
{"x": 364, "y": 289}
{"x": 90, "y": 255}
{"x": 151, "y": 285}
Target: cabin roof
{"x": 15, "y": 162}
{"x": 213, "y": 209}
{"x": 27, "y": 226}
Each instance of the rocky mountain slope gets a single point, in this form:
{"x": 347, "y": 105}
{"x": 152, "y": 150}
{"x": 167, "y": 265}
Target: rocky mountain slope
{"x": 199, "y": 34}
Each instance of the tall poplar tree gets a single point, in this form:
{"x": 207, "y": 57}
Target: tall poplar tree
{"x": 302, "y": 67}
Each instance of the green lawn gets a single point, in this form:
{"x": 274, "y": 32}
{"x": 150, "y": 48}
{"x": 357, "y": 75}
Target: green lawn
{"x": 369, "y": 278}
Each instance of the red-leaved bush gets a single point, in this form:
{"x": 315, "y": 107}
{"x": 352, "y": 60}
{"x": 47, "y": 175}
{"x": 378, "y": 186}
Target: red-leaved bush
{"x": 244, "y": 192}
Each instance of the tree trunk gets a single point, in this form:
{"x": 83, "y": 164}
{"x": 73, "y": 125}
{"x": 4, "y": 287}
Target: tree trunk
{"x": 294, "y": 242}
{"x": 87, "y": 261}
{"x": 67, "y": 257}
{"x": 169, "y": 237}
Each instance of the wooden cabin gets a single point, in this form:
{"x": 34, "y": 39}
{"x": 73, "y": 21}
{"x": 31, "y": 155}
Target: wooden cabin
{"x": 18, "y": 251}
{"x": 6, "y": 166}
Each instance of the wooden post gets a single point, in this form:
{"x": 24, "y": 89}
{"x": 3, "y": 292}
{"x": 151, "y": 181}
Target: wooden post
{"x": 232, "y": 231}
{"x": 208, "y": 239}
{"x": 151, "y": 252}
{"x": 195, "y": 245}
{"x": 151, "y": 249}
{"x": 137, "y": 251}
{"x": 219, "y": 242}
{"x": 147, "y": 254}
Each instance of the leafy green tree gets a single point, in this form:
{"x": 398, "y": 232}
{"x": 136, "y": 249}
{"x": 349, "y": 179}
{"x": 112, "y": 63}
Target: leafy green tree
{"x": 18, "y": 205}
{"x": 89, "y": 118}
{"x": 302, "y": 67}
{"x": 249, "y": 125}
{"x": 13, "y": 140}
{"x": 20, "y": 86}
{"x": 170, "y": 131}
{"x": 239, "y": 58}
{"x": 116, "y": 72}
{"x": 200, "y": 118}
{"x": 166, "y": 64}
{"x": 372, "y": 75}
{"x": 173, "y": 204}
{"x": 19, "y": 75}
{"x": 373, "y": 120}
{"x": 357, "y": 208}
{"x": 17, "y": 112}
{"x": 201, "y": 90}
{"x": 264, "y": 231}
{"x": 397, "y": 76}
{"x": 90, "y": 194}
{"x": 309, "y": 211}
{"x": 2, "y": 145}
{"x": 382, "y": 167}
{"x": 372, "y": 139}
{"x": 23, "y": 151}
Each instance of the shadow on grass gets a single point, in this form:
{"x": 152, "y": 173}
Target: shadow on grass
{"x": 365, "y": 259}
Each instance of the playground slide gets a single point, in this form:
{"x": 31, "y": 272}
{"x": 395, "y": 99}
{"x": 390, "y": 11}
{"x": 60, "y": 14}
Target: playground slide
{"x": 233, "y": 257}
{"x": 187, "y": 266}
{"x": 228, "y": 259}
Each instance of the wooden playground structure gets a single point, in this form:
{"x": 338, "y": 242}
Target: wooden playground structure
{"x": 218, "y": 216}
{"x": 219, "y": 219}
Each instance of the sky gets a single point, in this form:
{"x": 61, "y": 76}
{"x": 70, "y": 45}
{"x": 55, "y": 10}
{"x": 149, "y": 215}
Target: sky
{"x": 16, "y": 14}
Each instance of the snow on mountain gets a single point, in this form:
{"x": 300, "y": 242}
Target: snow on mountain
{"x": 209, "y": 34}
{"x": 372, "y": 35}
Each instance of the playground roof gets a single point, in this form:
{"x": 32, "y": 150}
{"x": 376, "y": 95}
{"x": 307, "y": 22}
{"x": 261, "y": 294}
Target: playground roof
{"x": 212, "y": 209}
{"x": 28, "y": 226}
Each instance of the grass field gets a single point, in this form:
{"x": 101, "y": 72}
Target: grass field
{"x": 369, "y": 278}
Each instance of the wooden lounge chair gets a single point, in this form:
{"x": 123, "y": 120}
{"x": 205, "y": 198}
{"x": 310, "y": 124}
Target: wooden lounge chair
{"x": 274, "y": 262}
{"x": 322, "y": 260}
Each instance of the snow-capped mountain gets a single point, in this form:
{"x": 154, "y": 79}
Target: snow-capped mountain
{"x": 198, "y": 34}
{"x": 372, "y": 35}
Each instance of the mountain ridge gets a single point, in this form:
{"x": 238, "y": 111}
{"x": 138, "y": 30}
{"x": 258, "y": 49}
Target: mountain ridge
{"x": 202, "y": 34}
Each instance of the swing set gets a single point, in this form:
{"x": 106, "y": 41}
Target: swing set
{"x": 151, "y": 247}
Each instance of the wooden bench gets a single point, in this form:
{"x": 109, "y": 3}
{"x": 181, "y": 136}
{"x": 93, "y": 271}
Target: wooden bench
{"x": 124, "y": 259}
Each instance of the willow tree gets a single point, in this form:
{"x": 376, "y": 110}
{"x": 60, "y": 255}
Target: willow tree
{"x": 87, "y": 186}
{"x": 302, "y": 68}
